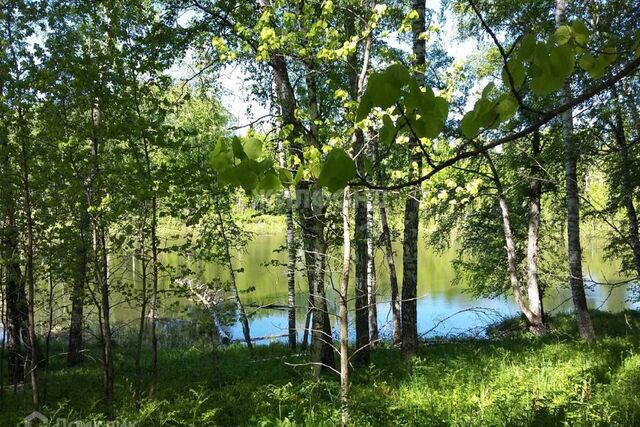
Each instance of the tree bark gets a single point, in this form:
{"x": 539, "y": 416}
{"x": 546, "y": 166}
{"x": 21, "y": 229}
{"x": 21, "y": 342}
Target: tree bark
{"x": 576, "y": 281}
{"x": 321, "y": 336}
{"x": 74, "y": 355}
{"x": 389, "y": 255}
{"x": 101, "y": 265}
{"x": 411, "y": 209}
{"x": 312, "y": 225}
{"x": 360, "y": 237}
{"x": 371, "y": 275}
{"x": 15, "y": 298}
{"x": 344, "y": 308}
{"x": 232, "y": 281}
{"x": 143, "y": 304}
{"x": 534, "y": 292}
{"x": 357, "y": 81}
{"x": 291, "y": 255}
{"x": 625, "y": 183}
{"x": 3, "y": 327}
{"x": 154, "y": 296}
{"x": 510, "y": 246}
{"x": 31, "y": 291}
{"x": 304, "y": 212}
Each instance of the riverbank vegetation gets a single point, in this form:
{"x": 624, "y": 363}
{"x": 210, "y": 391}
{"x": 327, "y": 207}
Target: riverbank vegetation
{"x": 515, "y": 378}
{"x": 494, "y": 130}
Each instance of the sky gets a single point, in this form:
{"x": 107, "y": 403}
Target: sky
{"x": 235, "y": 82}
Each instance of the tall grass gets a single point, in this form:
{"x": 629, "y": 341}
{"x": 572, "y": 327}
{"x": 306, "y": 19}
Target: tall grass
{"x": 517, "y": 379}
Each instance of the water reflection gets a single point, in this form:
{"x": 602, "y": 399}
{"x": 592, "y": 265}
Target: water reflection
{"x": 443, "y": 309}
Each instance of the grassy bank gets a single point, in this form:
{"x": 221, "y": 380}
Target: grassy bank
{"x": 515, "y": 379}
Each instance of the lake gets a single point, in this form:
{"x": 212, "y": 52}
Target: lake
{"x": 443, "y": 309}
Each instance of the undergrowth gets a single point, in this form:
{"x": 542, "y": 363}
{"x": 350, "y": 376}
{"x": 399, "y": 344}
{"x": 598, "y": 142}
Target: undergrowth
{"x": 516, "y": 379}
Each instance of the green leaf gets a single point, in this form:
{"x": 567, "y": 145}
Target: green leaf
{"x": 609, "y": 55}
{"x": 388, "y": 130}
{"x": 245, "y": 174}
{"x": 426, "y": 99}
{"x": 221, "y": 158}
{"x": 541, "y": 59}
{"x": 597, "y": 71}
{"x": 587, "y": 62}
{"x": 364, "y": 108}
{"x": 382, "y": 91}
{"x": 337, "y": 171}
{"x": 506, "y": 108}
{"x": 285, "y": 176}
{"x": 580, "y": 33}
{"x": 563, "y": 35}
{"x": 546, "y": 83}
{"x": 398, "y": 74}
{"x": 488, "y": 89}
{"x": 368, "y": 167}
{"x": 253, "y": 148}
{"x": 592, "y": 65}
{"x": 428, "y": 126}
{"x": 562, "y": 61}
{"x": 270, "y": 183}
{"x": 527, "y": 46}
{"x": 517, "y": 70}
{"x": 299, "y": 175}
{"x": 441, "y": 107}
{"x": 263, "y": 166}
{"x": 238, "y": 151}
{"x": 469, "y": 125}
{"x": 489, "y": 118}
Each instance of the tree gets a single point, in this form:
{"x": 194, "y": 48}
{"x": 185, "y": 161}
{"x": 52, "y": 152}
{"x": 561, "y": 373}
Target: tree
{"x": 573, "y": 207}
{"x": 412, "y": 205}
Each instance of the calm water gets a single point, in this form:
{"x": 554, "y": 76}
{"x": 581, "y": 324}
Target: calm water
{"x": 443, "y": 309}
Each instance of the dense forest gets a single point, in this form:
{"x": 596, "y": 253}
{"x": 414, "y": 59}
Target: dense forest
{"x": 223, "y": 212}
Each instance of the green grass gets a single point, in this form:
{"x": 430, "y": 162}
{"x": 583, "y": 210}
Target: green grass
{"x": 517, "y": 379}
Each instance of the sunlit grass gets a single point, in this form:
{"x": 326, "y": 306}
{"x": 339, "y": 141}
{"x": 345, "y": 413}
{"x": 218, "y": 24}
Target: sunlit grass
{"x": 517, "y": 379}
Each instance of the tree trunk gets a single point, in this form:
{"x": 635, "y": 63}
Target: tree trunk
{"x": 3, "y": 327}
{"x": 573, "y": 208}
{"x": 74, "y": 355}
{"x": 15, "y": 302}
{"x": 154, "y": 297}
{"x": 102, "y": 278}
{"x": 101, "y": 267}
{"x": 291, "y": 271}
{"x": 143, "y": 305}
{"x": 357, "y": 81}
{"x": 312, "y": 225}
{"x": 232, "y": 281}
{"x": 321, "y": 336}
{"x": 534, "y": 292}
{"x": 291, "y": 255}
{"x": 371, "y": 275}
{"x": 512, "y": 260}
{"x": 305, "y": 214}
{"x": 33, "y": 342}
{"x": 388, "y": 249}
{"x": 411, "y": 209}
{"x": 344, "y": 309}
{"x": 625, "y": 184}
{"x": 47, "y": 343}
{"x": 311, "y": 214}
{"x": 360, "y": 237}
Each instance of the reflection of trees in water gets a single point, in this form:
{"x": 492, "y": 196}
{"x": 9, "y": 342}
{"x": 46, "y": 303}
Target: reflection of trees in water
{"x": 200, "y": 324}
{"x": 263, "y": 284}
